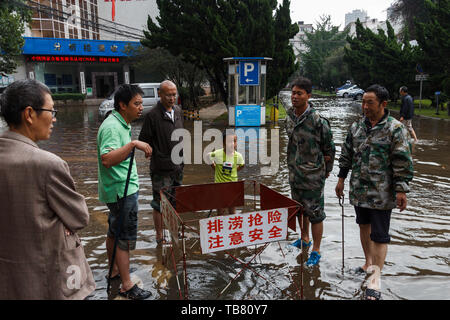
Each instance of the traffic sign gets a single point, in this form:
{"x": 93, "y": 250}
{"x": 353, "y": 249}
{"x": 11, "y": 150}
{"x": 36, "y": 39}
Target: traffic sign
{"x": 422, "y": 77}
{"x": 248, "y": 73}
{"x": 248, "y": 116}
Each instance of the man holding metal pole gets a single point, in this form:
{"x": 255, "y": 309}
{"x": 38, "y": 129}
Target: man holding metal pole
{"x": 118, "y": 173}
{"x": 378, "y": 152}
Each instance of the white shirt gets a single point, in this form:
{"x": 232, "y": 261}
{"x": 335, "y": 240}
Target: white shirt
{"x": 171, "y": 114}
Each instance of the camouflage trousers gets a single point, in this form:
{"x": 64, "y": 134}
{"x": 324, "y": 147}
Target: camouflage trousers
{"x": 312, "y": 202}
{"x": 168, "y": 182}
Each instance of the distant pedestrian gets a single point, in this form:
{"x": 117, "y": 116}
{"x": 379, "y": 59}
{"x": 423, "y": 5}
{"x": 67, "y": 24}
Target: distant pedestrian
{"x": 226, "y": 163}
{"x": 310, "y": 157}
{"x": 41, "y": 255}
{"x": 407, "y": 111}
{"x": 157, "y": 130}
{"x": 114, "y": 146}
{"x": 378, "y": 153}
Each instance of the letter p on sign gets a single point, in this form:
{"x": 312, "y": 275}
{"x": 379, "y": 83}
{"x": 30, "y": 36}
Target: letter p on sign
{"x": 248, "y": 67}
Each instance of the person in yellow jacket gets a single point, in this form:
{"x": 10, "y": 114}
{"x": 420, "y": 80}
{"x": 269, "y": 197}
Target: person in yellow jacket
{"x": 226, "y": 163}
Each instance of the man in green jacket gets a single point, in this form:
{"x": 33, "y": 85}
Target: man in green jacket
{"x": 378, "y": 152}
{"x": 310, "y": 157}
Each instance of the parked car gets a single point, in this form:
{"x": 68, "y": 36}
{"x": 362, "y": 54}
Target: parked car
{"x": 150, "y": 99}
{"x": 345, "y": 92}
{"x": 356, "y": 93}
{"x": 347, "y": 85}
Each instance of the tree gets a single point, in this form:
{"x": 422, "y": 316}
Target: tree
{"x": 410, "y": 12}
{"x": 283, "y": 65}
{"x": 335, "y": 70}
{"x": 321, "y": 42}
{"x": 163, "y": 65}
{"x": 13, "y": 16}
{"x": 203, "y": 32}
{"x": 434, "y": 40}
{"x": 380, "y": 58}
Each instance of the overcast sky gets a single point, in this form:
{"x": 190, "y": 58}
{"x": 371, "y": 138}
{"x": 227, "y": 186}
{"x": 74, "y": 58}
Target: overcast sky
{"x": 310, "y": 11}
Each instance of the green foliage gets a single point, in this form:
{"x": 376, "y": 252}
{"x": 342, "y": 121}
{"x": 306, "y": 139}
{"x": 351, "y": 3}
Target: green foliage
{"x": 409, "y": 12}
{"x": 323, "y": 43}
{"x": 434, "y": 40}
{"x": 13, "y": 16}
{"x": 203, "y": 32}
{"x": 381, "y": 58}
{"x": 69, "y": 96}
{"x": 283, "y": 64}
{"x": 185, "y": 75}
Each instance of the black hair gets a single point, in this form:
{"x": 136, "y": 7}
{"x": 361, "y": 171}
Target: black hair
{"x": 19, "y": 95}
{"x": 125, "y": 93}
{"x": 303, "y": 83}
{"x": 380, "y": 91}
{"x": 404, "y": 89}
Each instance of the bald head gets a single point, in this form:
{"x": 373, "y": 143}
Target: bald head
{"x": 167, "y": 84}
{"x": 168, "y": 94}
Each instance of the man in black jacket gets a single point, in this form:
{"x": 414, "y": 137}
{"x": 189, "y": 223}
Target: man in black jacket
{"x": 407, "y": 111}
{"x": 157, "y": 130}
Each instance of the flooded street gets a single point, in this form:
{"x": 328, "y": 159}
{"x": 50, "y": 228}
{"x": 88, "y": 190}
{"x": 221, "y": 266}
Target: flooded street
{"x": 418, "y": 258}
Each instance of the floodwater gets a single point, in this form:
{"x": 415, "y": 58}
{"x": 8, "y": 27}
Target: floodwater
{"x": 417, "y": 263}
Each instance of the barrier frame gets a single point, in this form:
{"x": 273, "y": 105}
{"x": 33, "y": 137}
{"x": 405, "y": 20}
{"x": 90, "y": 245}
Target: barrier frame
{"x": 191, "y": 198}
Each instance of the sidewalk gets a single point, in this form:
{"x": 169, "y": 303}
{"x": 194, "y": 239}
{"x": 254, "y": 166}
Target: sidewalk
{"x": 212, "y": 112}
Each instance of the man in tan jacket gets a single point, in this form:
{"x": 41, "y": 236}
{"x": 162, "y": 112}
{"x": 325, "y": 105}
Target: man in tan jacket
{"x": 41, "y": 256}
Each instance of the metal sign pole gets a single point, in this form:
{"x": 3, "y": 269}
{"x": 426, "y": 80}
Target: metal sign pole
{"x": 420, "y": 101}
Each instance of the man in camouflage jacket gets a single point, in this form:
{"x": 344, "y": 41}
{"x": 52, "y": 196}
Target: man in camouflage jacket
{"x": 378, "y": 152}
{"x": 310, "y": 158}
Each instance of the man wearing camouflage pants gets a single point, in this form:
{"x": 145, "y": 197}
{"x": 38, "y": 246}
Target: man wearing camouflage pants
{"x": 310, "y": 157}
{"x": 378, "y": 152}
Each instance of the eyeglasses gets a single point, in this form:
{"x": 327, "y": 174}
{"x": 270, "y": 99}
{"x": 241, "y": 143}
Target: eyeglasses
{"x": 54, "y": 112}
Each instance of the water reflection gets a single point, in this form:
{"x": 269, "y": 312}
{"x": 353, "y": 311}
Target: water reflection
{"x": 417, "y": 263}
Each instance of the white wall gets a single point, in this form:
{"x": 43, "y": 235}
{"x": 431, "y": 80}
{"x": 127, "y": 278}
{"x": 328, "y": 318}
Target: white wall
{"x": 131, "y": 13}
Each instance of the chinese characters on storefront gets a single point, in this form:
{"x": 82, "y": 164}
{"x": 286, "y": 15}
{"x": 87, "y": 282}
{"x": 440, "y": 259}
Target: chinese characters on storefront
{"x": 48, "y": 58}
{"x": 241, "y": 230}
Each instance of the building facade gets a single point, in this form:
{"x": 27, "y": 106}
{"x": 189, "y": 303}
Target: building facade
{"x": 355, "y": 15}
{"x": 73, "y": 46}
{"x": 297, "y": 42}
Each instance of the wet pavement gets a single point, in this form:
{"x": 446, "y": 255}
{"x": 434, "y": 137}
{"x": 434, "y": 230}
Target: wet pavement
{"x": 417, "y": 263}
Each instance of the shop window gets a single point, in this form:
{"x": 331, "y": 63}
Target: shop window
{"x": 67, "y": 79}
{"x": 50, "y": 79}
{"x": 36, "y": 24}
{"x": 47, "y": 34}
{"x": 47, "y": 25}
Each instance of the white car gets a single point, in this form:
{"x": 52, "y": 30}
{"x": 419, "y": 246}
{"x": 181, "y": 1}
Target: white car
{"x": 150, "y": 99}
{"x": 345, "y": 92}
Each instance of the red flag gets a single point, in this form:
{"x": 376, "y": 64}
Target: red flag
{"x": 113, "y": 9}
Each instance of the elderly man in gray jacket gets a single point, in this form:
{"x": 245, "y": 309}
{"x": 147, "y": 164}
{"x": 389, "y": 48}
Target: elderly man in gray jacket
{"x": 41, "y": 255}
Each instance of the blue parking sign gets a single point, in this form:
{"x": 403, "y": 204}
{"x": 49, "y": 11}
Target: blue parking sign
{"x": 248, "y": 73}
{"x": 248, "y": 116}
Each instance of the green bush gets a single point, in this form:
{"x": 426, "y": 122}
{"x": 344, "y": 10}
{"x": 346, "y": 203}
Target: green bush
{"x": 69, "y": 96}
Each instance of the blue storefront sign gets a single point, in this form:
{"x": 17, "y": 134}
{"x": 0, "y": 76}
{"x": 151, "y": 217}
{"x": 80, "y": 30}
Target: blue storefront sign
{"x": 248, "y": 115}
{"x": 76, "y": 47}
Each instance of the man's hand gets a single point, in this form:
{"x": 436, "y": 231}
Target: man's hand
{"x": 401, "y": 201}
{"x": 145, "y": 147}
{"x": 401, "y": 119}
{"x": 340, "y": 188}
